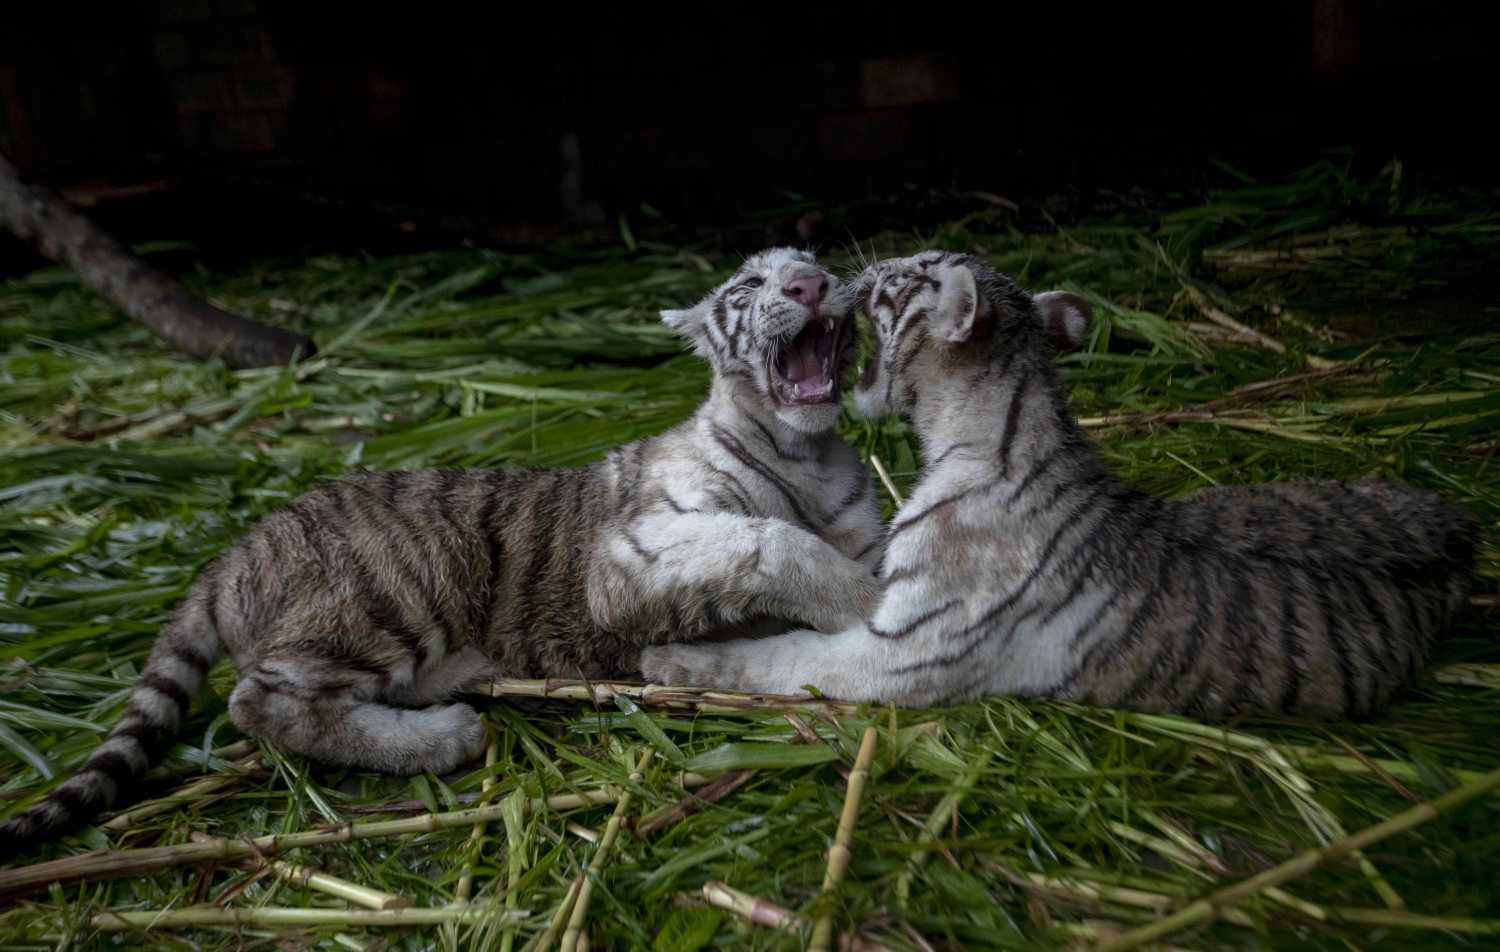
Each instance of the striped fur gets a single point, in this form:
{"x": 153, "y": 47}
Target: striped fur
{"x": 356, "y": 614}
{"x": 1021, "y": 566}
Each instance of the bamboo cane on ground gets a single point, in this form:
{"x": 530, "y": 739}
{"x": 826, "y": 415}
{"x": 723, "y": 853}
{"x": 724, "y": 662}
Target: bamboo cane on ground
{"x": 704, "y": 701}
{"x": 105, "y": 864}
{"x": 273, "y": 917}
{"x": 465, "y": 887}
{"x": 596, "y": 865}
{"x": 309, "y": 878}
{"x": 839, "y": 854}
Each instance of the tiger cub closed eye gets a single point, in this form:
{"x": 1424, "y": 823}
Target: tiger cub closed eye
{"x": 355, "y": 614}
{"x": 1020, "y": 565}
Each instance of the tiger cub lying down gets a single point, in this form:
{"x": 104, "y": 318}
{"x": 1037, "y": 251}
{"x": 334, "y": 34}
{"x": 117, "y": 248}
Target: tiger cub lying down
{"x": 355, "y": 614}
{"x": 1021, "y": 566}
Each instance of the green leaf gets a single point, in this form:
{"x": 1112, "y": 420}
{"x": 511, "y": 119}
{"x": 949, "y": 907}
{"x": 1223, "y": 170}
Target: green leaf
{"x": 687, "y": 930}
{"x": 650, "y": 730}
{"x": 761, "y": 755}
{"x": 421, "y": 789}
{"x": 18, "y": 745}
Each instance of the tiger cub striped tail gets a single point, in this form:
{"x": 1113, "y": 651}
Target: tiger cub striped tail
{"x": 174, "y": 674}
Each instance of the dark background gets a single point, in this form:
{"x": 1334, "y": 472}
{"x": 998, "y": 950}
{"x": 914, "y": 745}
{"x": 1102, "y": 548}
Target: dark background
{"x": 273, "y": 124}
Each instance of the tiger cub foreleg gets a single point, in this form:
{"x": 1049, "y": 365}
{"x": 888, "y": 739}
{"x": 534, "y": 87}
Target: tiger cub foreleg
{"x": 697, "y": 571}
{"x": 888, "y": 658}
{"x": 784, "y": 664}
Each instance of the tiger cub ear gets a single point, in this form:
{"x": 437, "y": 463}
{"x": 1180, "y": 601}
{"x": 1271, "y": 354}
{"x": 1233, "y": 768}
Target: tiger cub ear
{"x": 960, "y": 306}
{"x": 688, "y": 322}
{"x": 1065, "y": 317}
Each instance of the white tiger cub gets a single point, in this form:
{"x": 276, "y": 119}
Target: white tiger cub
{"x": 1020, "y": 565}
{"x": 358, "y": 613}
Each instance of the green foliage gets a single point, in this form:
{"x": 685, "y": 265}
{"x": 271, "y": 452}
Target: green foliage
{"x": 124, "y": 470}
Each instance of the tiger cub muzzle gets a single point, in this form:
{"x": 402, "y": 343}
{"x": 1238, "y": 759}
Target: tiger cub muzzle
{"x": 804, "y": 365}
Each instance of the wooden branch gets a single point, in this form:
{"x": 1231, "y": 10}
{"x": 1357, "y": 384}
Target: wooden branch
{"x": 124, "y": 279}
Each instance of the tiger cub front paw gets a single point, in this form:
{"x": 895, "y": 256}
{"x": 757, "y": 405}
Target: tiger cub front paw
{"x": 678, "y": 666}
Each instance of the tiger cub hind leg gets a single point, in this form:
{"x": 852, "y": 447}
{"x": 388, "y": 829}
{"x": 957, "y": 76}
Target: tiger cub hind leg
{"x": 334, "y": 723}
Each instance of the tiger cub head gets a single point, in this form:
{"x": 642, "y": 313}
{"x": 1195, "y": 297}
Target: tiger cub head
{"x": 937, "y": 310}
{"x": 781, "y": 322}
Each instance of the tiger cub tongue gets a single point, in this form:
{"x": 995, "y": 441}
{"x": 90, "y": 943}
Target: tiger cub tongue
{"x": 804, "y": 370}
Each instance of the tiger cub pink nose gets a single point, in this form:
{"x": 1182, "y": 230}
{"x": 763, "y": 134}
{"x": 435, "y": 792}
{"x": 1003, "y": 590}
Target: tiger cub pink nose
{"x": 808, "y": 291}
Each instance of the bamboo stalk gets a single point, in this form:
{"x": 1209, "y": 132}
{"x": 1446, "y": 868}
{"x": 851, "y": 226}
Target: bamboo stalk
{"x": 596, "y": 865}
{"x": 1176, "y": 835}
{"x": 309, "y": 878}
{"x": 752, "y": 909}
{"x": 1393, "y": 918}
{"x": 1243, "y": 331}
{"x": 582, "y": 832}
{"x": 1162, "y": 847}
{"x": 1224, "y": 899}
{"x": 1472, "y": 675}
{"x": 1073, "y": 889}
{"x": 1259, "y": 424}
{"x": 885, "y": 479}
{"x": 1310, "y": 759}
{"x": 465, "y": 887}
{"x": 839, "y": 855}
{"x": 762, "y": 912}
{"x": 104, "y": 864}
{"x": 1309, "y": 909}
{"x": 276, "y": 916}
{"x": 333, "y": 886}
{"x": 1262, "y": 389}
{"x": 1143, "y": 419}
{"x": 543, "y": 942}
{"x": 193, "y": 791}
{"x": 656, "y": 695}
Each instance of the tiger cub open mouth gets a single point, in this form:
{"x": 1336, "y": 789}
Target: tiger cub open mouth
{"x": 805, "y": 371}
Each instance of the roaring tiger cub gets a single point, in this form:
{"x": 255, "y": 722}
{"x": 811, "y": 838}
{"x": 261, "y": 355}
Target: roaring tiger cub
{"x": 355, "y": 614}
{"x": 1021, "y": 566}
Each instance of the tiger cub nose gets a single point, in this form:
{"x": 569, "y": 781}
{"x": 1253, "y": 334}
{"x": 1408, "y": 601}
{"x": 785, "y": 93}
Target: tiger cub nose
{"x": 808, "y": 291}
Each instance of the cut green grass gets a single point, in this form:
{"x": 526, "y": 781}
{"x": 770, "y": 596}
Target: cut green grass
{"x": 1002, "y": 824}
